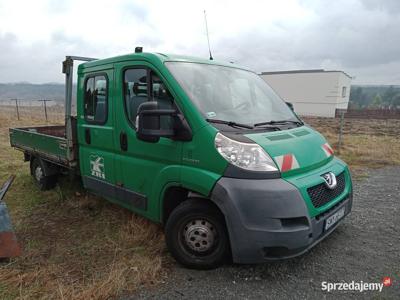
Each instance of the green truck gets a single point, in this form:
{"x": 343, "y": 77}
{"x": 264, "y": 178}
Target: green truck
{"x": 205, "y": 148}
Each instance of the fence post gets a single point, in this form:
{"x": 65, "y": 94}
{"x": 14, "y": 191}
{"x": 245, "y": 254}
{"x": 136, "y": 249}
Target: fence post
{"x": 16, "y": 106}
{"x": 45, "y": 109}
{"x": 340, "y": 132}
{"x": 31, "y": 110}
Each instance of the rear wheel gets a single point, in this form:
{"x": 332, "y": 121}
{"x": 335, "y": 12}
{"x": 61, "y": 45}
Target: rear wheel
{"x": 38, "y": 173}
{"x": 196, "y": 235}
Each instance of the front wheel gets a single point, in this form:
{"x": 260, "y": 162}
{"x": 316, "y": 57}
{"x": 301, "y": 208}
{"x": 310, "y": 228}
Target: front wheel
{"x": 196, "y": 235}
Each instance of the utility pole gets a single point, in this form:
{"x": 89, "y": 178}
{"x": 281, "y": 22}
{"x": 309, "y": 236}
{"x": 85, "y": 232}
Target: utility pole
{"x": 31, "y": 110}
{"x": 16, "y": 107}
{"x": 45, "y": 108}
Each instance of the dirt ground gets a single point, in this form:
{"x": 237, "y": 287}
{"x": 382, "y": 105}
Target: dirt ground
{"x": 365, "y": 247}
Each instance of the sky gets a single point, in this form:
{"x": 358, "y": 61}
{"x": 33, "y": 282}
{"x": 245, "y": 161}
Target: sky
{"x": 360, "y": 37}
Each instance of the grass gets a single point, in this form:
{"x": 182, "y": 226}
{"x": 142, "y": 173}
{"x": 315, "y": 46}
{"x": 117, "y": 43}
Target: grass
{"x": 78, "y": 246}
{"x": 365, "y": 144}
{"x": 75, "y": 245}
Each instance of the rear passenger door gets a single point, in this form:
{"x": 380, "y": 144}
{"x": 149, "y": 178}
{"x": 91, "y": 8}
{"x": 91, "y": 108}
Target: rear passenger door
{"x": 96, "y": 132}
{"x": 142, "y": 165}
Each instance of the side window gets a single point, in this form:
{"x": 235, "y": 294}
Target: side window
{"x": 135, "y": 91}
{"x": 95, "y": 102}
{"x": 88, "y": 102}
{"x": 160, "y": 94}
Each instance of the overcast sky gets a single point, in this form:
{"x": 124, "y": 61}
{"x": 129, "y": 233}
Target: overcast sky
{"x": 360, "y": 37}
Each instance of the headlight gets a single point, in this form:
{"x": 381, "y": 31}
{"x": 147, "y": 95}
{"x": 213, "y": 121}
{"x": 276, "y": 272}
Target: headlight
{"x": 244, "y": 155}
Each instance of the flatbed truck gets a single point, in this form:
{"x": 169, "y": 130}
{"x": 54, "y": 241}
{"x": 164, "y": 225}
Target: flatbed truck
{"x": 205, "y": 148}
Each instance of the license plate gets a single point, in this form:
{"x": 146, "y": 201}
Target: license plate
{"x": 332, "y": 220}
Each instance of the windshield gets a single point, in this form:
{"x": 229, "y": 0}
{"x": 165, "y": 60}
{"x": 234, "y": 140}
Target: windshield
{"x": 230, "y": 94}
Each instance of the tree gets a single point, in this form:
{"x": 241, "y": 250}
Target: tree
{"x": 357, "y": 96}
{"x": 377, "y": 101}
{"x": 396, "y": 101}
{"x": 389, "y": 95}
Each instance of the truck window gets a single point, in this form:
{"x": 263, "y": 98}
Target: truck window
{"x": 239, "y": 90}
{"x": 135, "y": 85}
{"x": 95, "y": 102}
{"x": 164, "y": 98}
{"x": 137, "y": 91}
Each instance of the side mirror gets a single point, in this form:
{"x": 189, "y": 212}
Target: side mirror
{"x": 290, "y": 105}
{"x": 153, "y": 123}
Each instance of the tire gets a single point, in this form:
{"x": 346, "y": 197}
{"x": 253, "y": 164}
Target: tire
{"x": 38, "y": 173}
{"x": 196, "y": 235}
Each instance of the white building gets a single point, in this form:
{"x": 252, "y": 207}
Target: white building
{"x": 312, "y": 92}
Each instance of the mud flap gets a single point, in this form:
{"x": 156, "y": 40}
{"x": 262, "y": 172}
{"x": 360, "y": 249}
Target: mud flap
{"x": 8, "y": 241}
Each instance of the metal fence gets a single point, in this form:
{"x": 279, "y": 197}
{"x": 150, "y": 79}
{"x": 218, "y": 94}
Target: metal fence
{"x": 45, "y": 110}
{"x": 337, "y": 129}
{"x": 369, "y": 113}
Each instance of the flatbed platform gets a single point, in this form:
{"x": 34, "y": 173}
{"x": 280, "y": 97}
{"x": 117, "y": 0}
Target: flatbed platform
{"x": 46, "y": 142}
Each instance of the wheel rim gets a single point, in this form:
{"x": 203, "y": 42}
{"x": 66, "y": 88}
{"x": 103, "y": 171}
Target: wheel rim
{"x": 199, "y": 236}
{"x": 38, "y": 173}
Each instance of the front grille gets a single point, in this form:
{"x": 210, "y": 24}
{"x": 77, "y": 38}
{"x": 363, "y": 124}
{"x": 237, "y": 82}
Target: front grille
{"x": 320, "y": 194}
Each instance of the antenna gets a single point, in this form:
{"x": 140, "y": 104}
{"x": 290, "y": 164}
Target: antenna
{"x": 208, "y": 38}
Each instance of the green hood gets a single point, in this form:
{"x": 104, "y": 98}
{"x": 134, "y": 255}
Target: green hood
{"x": 295, "y": 150}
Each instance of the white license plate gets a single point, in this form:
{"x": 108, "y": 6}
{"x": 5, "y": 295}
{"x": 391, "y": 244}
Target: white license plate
{"x": 332, "y": 220}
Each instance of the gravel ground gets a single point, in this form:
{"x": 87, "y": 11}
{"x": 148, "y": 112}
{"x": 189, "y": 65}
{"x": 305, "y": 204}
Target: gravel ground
{"x": 365, "y": 247}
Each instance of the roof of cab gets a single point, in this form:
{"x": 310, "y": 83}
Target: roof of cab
{"x": 156, "y": 58}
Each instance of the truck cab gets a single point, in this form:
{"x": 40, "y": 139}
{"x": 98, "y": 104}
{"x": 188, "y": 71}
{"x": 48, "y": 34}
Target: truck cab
{"x": 205, "y": 148}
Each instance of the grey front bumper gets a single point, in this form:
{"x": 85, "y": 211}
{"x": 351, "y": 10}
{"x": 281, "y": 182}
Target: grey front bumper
{"x": 268, "y": 219}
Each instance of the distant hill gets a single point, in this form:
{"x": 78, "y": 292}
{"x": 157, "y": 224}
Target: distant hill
{"x": 29, "y": 91}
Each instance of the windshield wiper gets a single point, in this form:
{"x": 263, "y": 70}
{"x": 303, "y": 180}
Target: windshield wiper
{"x": 281, "y": 122}
{"x": 229, "y": 123}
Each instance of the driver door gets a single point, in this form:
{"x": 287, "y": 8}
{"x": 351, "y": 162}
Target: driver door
{"x": 140, "y": 165}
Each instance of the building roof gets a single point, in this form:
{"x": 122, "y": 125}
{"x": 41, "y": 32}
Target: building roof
{"x": 305, "y": 71}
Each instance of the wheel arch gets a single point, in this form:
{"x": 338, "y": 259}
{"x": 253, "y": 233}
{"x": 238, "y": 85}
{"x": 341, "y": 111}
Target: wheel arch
{"x": 190, "y": 183}
{"x": 174, "y": 195}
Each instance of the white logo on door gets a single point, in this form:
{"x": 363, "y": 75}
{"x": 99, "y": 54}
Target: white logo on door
{"x": 97, "y": 166}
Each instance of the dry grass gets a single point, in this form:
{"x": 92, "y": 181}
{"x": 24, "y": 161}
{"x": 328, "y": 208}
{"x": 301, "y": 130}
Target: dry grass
{"x": 32, "y": 113}
{"x": 366, "y": 143}
{"x": 75, "y": 245}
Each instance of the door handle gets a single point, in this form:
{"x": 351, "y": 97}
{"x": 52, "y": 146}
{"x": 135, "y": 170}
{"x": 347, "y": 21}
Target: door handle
{"x": 88, "y": 138}
{"x": 123, "y": 141}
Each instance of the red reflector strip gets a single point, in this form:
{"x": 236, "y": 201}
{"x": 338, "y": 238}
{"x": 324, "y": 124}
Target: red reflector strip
{"x": 286, "y": 162}
{"x": 327, "y": 149}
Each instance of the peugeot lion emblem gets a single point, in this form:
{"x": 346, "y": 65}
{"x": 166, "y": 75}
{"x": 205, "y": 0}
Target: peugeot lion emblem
{"x": 330, "y": 180}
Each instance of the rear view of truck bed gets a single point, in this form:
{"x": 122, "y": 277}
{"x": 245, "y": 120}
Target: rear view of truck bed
{"x": 46, "y": 142}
